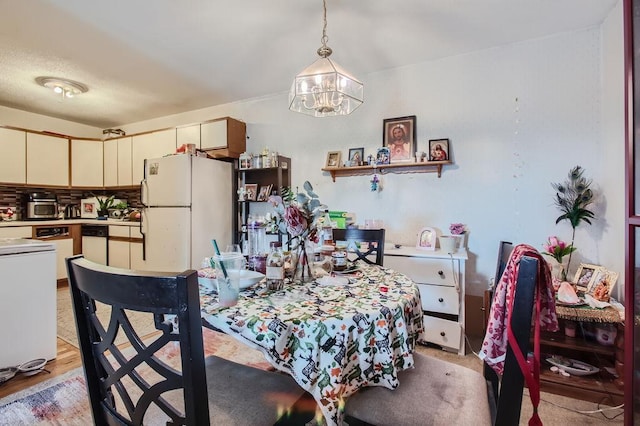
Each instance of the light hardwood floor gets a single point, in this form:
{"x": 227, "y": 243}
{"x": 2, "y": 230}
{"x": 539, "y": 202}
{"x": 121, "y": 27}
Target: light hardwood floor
{"x": 68, "y": 358}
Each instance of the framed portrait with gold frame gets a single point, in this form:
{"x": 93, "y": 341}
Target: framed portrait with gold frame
{"x": 585, "y": 276}
{"x": 333, "y": 159}
{"x": 426, "y": 239}
{"x": 251, "y": 191}
{"x": 399, "y": 135}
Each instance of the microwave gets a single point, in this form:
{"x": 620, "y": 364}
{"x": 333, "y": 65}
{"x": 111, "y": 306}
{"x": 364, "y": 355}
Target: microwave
{"x": 40, "y": 206}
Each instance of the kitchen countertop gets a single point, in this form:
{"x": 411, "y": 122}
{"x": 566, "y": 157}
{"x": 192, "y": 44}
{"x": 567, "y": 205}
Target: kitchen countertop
{"x": 62, "y": 222}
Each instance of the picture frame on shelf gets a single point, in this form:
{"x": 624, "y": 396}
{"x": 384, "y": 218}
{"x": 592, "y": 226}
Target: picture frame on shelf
{"x": 438, "y": 149}
{"x": 251, "y": 191}
{"x": 264, "y": 193}
{"x": 399, "y": 135}
{"x": 585, "y": 276}
{"x": 426, "y": 239}
{"x": 382, "y": 156}
{"x": 333, "y": 159}
{"x": 356, "y": 156}
{"x": 602, "y": 284}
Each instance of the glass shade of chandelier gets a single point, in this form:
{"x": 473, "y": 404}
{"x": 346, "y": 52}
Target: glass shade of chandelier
{"x": 324, "y": 88}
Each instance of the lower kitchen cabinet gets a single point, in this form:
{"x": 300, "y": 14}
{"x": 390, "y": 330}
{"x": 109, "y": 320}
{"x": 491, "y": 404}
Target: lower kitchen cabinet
{"x": 441, "y": 280}
{"x": 125, "y": 247}
{"x": 64, "y": 249}
{"x": 119, "y": 254}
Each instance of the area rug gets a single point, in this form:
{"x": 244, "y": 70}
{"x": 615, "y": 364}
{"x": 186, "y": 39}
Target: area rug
{"x": 66, "y": 327}
{"x": 63, "y": 400}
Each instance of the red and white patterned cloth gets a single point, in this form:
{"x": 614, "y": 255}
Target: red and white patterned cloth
{"x": 494, "y": 346}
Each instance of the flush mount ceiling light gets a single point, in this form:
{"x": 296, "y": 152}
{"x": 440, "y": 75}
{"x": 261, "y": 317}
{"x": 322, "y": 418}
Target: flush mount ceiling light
{"x": 324, "y": 88}
{"x": 62, "y": 86}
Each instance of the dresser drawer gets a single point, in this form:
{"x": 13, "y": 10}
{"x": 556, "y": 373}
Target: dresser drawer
{"x": 442, "y": 332}
{"x": 436, "y": 298}
{"x": 423, "y": 270}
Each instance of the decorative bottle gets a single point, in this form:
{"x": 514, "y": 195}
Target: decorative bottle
{"x": 326, "y": 230}
{"x": 275, "y": 267}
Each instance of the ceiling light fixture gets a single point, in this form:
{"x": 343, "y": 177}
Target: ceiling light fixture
{"x": 62, "y": 86}
{"x": 324, "y": 88}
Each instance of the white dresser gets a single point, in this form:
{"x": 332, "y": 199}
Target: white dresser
{"x": 441, "y": 279}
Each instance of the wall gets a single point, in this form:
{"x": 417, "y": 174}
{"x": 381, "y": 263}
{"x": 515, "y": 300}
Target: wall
{"x": 518, "y": 118}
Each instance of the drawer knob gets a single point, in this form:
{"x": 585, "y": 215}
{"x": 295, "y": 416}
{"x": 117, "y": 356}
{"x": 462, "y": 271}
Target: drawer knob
{"x": 441, "y": 273}
{"x": 441, "y": 300}
{"x": 442, "y": 333}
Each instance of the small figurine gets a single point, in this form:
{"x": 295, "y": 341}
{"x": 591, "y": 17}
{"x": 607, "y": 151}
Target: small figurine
{"x": 242, "y": 194}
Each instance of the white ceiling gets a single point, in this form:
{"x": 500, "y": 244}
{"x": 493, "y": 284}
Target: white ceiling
{"x": 145, "y": 59}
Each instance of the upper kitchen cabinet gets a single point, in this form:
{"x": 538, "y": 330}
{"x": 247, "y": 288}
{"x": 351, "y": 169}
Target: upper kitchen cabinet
{"x": 13, "y": 161}
{"x": 117, "y": 162}
{"x": 48, "y": 160}
{"x": 87, "y": 163}
{"x": 150, "y": 145}
{"x": 188, "y": 134}
{"x": 223, "y": 137}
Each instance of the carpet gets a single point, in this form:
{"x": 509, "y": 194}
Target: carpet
{"x": 66, "y": 328}
{"x": 63, "y": 400}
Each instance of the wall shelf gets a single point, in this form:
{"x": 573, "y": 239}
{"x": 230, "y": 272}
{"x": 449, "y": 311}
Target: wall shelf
{"x": 427, "y": 167}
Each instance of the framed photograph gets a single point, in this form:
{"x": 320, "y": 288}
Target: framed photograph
{"x": 399, "y": 135}
{"x": 264, "y": 193}
{"x": 333, "y": 159}
{"x": 251, "y": 191}
{"x": 438, "y": 149}
{"x": 585, "y": 275}
{"x": 355, "y": 156}
{"x": 601, "y": 285}
{"x": 382, "y": 156}
{"x": 426, "y": 239}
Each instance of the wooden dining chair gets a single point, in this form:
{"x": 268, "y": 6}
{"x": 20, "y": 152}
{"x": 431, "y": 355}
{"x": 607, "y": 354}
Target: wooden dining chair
{"x": 354, "y": 236}
{"x": 140, "y": 384}
{"x": 440, "y": 392}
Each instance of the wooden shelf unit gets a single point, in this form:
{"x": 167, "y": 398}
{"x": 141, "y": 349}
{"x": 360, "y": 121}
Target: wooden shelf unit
{"x": 426, "y": 167}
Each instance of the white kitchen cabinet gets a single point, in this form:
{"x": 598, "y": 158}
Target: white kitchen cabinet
{"x": 47, "y": 160}
{"x": 150, "y": 145}
{"x": 188, "y": 134}
{"x": 441, "y": 280}
{"x": 64, "y": 249}
{"x": 124, "y": 163}
{"x": 223, "y": 137}
{"x": 110, "y": 158}
{"x": 87, "y": 163}
{"x": 119, "y": 254}
{"x": 15, "y": 232}
{"x": 95, "y": 249}
{"x": 13, "y": 161}
{"x": 135, "y": 252}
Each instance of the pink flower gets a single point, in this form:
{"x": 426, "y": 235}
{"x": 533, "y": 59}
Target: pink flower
{"x": 457, "y": 228}
{"x": 296, "y": 222}
{"x": 557, "y": 248}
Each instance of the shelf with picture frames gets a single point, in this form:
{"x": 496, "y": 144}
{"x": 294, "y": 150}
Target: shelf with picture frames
{"x": 423, "y": 167}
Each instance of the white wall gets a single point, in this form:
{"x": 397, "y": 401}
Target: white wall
{"x": 518, "y": 118}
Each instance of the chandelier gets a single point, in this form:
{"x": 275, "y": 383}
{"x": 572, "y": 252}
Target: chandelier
{"x": 324, "y": 88}
{"x": 65, "y": 88}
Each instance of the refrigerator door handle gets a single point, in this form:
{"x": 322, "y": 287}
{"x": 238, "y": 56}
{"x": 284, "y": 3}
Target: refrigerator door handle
{"x": 143, "y": 185}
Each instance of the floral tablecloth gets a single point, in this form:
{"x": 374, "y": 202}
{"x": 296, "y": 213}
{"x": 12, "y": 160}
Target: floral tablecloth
{"x": 333, "y": 339}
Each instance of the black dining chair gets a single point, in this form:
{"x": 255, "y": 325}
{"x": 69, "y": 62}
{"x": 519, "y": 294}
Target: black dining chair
{"x": 440, "y": 392}
{"x": 354, "y": 236}
{"x": 137, "y": 384}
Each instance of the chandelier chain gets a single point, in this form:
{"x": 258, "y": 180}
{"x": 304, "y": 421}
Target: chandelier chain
{"x": 324, "y": 38}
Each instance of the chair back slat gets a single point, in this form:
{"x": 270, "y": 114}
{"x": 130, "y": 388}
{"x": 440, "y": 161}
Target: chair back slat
{"x": 374, "y": 238}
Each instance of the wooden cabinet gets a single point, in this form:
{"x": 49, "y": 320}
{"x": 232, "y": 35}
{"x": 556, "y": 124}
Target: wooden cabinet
{"x": 47, "y": 160}
{"x": 441, "y": 280}
{"x": 87, "y": 163}
{"x": 13, "y": 161}
{"x": 223, "y": 137}
{"x": 125, "y": 168}
{"x": 278, "y": 177}
{"x": 68, "y": 240}
{"x": 125, "y": 247}
{"x": 150, "y": 145}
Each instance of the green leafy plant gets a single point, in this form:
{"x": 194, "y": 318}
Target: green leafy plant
{"x": 573, "y": 196}
{"x": 104, "y": 203}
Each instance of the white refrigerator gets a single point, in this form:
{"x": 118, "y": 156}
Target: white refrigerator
{"x": 187, "y": 202}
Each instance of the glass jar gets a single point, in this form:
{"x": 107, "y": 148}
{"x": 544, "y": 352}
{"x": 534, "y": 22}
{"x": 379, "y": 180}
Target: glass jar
{"x": 256, "y": 243}
{"x": 339, "y": 259}
{"x": 275, "y": 267}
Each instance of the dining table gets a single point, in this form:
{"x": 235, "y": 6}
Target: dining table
{"x": 333, "y": 335}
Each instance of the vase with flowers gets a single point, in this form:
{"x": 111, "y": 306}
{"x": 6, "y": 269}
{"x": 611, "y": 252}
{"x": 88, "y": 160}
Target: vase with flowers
{"x": 458, "y": 230}
{"x": 298, "y": 215}
{"x": 572, "y": 198}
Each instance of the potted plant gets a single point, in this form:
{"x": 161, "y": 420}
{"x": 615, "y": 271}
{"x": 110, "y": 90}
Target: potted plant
{"x": 104, "y": 204}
